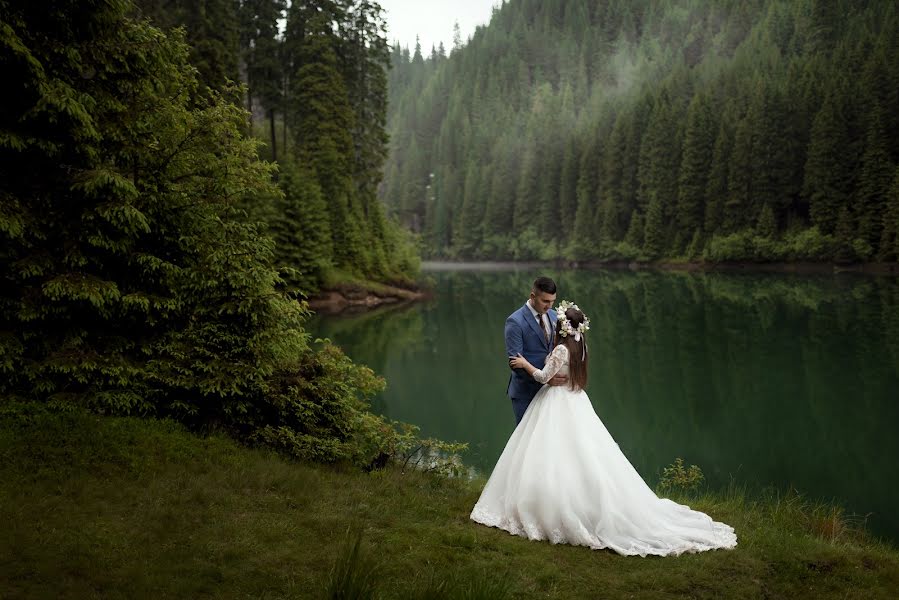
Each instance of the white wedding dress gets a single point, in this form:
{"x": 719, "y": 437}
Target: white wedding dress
{"x": 563, "y": 478}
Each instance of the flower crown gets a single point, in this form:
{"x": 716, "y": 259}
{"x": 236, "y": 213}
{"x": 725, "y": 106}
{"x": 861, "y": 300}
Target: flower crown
{"x": 565, "y": 328}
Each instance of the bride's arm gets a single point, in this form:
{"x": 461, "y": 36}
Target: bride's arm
{"x": 554, "y": 363}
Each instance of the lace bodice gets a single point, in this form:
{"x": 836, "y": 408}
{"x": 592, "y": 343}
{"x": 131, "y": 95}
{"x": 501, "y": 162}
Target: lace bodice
{"x": 556, "y": 362}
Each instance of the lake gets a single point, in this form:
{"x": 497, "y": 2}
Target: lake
{"x": 780, "y": 380}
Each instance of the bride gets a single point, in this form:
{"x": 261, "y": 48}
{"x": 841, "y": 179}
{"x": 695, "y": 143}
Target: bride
{"x": 563, "y": 478}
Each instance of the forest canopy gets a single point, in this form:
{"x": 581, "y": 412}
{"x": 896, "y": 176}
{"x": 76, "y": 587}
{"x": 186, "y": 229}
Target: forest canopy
{"x": 647, "y": 129}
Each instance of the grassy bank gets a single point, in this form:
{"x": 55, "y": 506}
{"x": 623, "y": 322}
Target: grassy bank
{"x": 342, "y": 291}
{"x": 125, "y": 508}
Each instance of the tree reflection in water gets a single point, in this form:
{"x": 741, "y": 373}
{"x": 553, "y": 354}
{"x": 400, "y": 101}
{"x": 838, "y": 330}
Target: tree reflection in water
{"x": 784, "y": 380}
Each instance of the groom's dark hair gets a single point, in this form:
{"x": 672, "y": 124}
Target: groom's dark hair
{"x": 545, "y": 285}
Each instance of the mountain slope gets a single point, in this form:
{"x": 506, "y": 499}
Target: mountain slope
{"x": 759, "y": 130}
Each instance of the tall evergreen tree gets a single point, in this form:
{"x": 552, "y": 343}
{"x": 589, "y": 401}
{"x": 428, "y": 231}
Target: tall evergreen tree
{"x": 658, "y": 170}
{"x": 889, "y": 242}
{"x": 262, "y": 57}
{"x": 699, "y": 140}
{"x": 301, "y": 227}
{"x": 213, "y": 32}
{"x": 718, "y": 183}
{"x": 322, "y": 121}
{"x": 828, "y": 170}
{"x": 874, "y": 183}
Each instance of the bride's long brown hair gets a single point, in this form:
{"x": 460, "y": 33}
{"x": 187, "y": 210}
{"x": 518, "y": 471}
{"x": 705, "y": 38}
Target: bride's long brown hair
{"x": 577, "y": 351}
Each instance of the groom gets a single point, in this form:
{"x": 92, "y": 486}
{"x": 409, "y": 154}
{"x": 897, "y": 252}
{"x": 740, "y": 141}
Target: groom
{"x": 530, "y": 331}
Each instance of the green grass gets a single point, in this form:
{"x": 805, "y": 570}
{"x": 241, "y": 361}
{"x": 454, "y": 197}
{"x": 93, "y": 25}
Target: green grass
{"x": 96, "y": 507}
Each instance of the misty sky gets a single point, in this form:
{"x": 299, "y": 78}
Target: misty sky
{"x": 433, "y": 20}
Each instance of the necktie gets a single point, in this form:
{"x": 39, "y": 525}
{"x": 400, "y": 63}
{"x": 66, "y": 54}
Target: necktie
{"x": 543, "y": 327}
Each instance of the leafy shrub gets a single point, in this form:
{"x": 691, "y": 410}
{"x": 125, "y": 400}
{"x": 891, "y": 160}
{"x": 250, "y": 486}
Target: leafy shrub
{"x": 810, "y": 244}
{"x": 622, "y": 251}
{"x": 676, "y": 477}
{"x": 734, "y": 247}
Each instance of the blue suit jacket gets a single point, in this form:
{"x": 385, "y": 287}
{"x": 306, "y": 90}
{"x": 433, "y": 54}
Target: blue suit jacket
{"x": 523, "y": 335}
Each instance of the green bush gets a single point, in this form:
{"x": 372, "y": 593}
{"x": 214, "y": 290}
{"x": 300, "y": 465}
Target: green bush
{"x": 810, "y": 244}
{"x": 734, "y": 247}
{"x": 678, "y": 478}
{"x": 527, "y": 245}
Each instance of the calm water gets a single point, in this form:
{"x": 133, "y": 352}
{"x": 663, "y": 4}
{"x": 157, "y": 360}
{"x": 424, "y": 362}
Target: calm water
{"x": 780, "y": 380}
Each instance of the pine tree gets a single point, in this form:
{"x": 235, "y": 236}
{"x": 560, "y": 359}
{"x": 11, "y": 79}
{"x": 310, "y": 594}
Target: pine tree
{"x": 498, "y": 212}
{"x": 634, "y": 235}
{"x": 261, "y": 52}
{"x": 828, "y": 178}
{"x": 613, "y": 182}
{"x": 741, "y": 177}
{"x": 528, "y": 190}
{"x": 845, "y": 236}
{"x": 586, "y": 190}
{"x": 470, "y": 230}
{"x": 322, "y": 121}
{"x": 874, "y": 183}
{"x": 766, "y": 226}
{"x": 213, "y": 32}
{"x": 889, "y": 242}
{"x": 716, "y": 189}
{"x": 658, "y": 173}
{"x": 568, "y": 188}
{"x": 301, "y": 228}
{"x": 699, "y": 140}
{"x": 654, "y": 232}
{"x": 365, "y": 62}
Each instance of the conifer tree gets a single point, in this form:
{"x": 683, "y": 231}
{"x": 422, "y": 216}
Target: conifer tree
{"x": 741, "y": 177}
{"x": 568, "y": 187}
{"x": 766, "y": 226}
{"x": 654, "y": 232}
{"x": 586, "y": 190}
{"x": 845, "y": 236}
{"x": 301, "y": 227}
{"x": 828, "y": 178}
{"x": 697, "y": 158}
{"x": 322, "y": 120}
{"x": 889, "y": 243}
{"x": 634, "y": 235}
{"x": 262, "y": 57}
{"x": 717, "y": 186}
{"x": 874, "y": 182}
{"x": 469, "y": 231}
{"x": 213, "y": 32}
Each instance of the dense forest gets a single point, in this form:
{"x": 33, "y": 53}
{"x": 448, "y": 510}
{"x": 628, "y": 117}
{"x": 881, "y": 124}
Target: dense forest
{"x": 654, "y": 129}
{"x": 150, "y": 262}
{"x": 321, "y": 88}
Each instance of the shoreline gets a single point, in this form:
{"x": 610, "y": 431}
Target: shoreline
{"x": 363, "y": 296}
{"x": 358, "y": 297}
{"x": 693, "y": 267}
